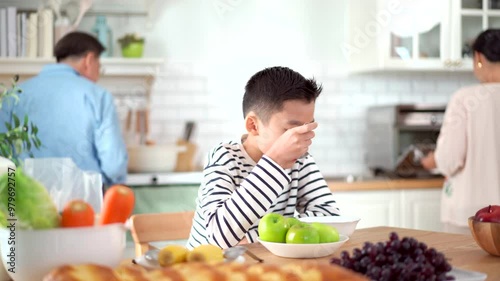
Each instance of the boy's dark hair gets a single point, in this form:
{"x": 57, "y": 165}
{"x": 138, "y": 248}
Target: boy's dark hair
{"x": 77, "y": 44}
{"x": 488, "y": 44}
{"x": 268, "y": 89}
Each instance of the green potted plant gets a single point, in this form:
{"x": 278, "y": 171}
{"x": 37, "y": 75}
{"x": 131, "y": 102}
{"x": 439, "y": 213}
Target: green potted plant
{"x": 132, "y": 45}
{"x": 21, "y": 134}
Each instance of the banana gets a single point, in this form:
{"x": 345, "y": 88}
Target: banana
{"x": 206, "y": 253}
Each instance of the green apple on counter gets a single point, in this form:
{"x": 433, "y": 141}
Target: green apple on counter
{"x": 273, "y": 228}
{"x": 302, "y": 233}
{"x": 327, "y": 233}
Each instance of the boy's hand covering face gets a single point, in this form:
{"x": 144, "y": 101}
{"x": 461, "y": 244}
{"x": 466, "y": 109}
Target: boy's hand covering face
{"x": 292, "y": 144}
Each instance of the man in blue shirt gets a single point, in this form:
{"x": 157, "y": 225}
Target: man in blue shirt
{"x": 75, "y": 117}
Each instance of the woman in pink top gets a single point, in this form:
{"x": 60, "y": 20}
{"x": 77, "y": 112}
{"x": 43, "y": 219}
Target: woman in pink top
{"x": 468, "y": 147}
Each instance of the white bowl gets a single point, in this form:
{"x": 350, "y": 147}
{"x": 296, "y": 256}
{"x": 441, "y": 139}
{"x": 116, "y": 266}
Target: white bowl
{"x": 344, "y": 224}
{"x": 304, "y": 251}
{"x": 37, "y": 252}
{"x": 153, "y": 158}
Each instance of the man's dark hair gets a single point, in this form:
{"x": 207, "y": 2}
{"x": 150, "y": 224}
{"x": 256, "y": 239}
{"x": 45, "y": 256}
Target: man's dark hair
{"x": 268, "y": 89}
{"x": 488, "y": 44}
{"x": 77, "y": 44}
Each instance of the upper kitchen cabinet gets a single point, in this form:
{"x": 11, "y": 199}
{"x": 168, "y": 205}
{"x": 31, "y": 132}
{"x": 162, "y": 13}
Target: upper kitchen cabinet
{"x": 470, "y": 17}
{"x": 416, "y": 35}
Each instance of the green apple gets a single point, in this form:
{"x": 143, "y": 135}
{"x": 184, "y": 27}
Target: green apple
{"x": 327, "y": 233}
{"x": 273, "y": 228}
{"x": 291, "y": 221}
{"x": 302, "y": 233}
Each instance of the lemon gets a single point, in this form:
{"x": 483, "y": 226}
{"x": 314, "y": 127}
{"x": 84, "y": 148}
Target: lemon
{"x": 172, "y": 254}
{"x": 207, "y": 253}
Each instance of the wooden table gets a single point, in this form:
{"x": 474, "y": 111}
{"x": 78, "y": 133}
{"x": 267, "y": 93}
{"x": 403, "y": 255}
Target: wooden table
{"x": 462, "y": 250}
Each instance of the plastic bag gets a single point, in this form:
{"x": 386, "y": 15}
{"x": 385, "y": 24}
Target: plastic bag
{"x": 65, "y": 181}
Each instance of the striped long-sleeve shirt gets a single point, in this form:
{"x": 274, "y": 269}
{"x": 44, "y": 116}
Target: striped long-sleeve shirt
{"x": 236, "y": 192}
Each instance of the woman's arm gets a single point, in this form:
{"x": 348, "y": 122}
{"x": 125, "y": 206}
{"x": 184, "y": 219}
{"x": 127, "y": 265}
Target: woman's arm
{"x": 451, "y": 147}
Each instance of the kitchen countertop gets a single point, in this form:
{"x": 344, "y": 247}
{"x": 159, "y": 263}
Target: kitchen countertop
{"x": 335, "y": 184}
{"x": 384, "y": 184}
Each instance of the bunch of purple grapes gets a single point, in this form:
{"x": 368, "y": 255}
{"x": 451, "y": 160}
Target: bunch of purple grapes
{"x": 397, "y": 259}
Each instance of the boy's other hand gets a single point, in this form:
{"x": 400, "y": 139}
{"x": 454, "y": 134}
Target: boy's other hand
{"x": 292, "y": 145}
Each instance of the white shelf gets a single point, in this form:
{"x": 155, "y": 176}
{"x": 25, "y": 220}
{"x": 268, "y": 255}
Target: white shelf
{"x": 123, "y": 7}
{"x": 111, "y": 66}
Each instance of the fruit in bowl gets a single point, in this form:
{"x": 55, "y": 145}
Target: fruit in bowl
{"x": 292, "y": 238}
{"x": 273, "y": 228}
{"x": 485, "y": 228}
{"x": 302, "y": 233}
{"x": 490, "y": 213}
{"x": 345, "y": 225}
{"x": 327, "y": 233}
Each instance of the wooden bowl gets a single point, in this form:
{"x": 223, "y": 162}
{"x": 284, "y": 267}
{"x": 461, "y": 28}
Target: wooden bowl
{"x": 487, "y": 235}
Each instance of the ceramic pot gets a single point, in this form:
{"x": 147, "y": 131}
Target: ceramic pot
{"x": 133, "y": 50}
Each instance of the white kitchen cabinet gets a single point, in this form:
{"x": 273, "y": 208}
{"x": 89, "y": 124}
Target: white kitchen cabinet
{"x": 421, "y": 209}
{"x": 375, "y": 208}
{"x": 371, "y": 45}
{"x": 407, "y": 208}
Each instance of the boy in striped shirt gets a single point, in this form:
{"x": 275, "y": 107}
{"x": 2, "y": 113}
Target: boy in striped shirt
{"x": 269, "y": 169}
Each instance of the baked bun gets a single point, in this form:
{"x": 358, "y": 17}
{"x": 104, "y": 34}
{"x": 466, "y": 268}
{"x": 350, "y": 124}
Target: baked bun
{"x": 313, "y": 271}
{"x": 296, "y": 271}
{"x": 132, "y": 272}
{"x": 194, "y": 271}
{"x": 82, "y": 272}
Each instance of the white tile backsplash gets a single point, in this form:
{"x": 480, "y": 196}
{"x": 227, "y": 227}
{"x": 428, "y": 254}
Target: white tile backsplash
{"x": 399, "y": 84}
{"x": 182, "y": 92}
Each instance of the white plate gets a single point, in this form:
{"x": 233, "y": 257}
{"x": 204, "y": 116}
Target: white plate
{"x": 144, "y": 262}
{"x": 467, "y": 275}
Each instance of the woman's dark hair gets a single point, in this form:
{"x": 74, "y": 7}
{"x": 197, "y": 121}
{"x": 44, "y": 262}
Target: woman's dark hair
{"x": 268, "y": 89}
{"x": 77, "y": 44}
{"x": 488, "y": 44}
